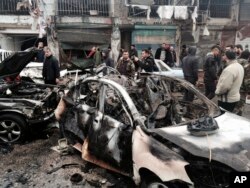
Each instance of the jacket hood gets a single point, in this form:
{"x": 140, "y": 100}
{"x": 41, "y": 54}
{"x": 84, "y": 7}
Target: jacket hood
{"x": 232, "y": 141}
{"x": 14, "y": 64}
{"x": 192, "y": 50}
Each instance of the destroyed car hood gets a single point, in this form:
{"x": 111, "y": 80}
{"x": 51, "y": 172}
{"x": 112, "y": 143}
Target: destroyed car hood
{"x": 14, "y": 64}
{"x": 230, "y": 145}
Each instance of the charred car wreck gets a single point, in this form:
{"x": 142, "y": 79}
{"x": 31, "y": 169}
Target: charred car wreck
{"x": 139, "y": 128}
{"x": 22, "y": 102}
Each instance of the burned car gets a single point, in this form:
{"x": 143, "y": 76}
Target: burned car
{"x": 141, "y": 128}
{"x": 22, "y": 102}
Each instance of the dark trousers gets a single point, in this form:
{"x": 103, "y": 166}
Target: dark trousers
{"x": 189, "y": 95}
{"x": 210, "y": 88}
{"x": 227, "y": 106}
{"x": 52, "y": 82}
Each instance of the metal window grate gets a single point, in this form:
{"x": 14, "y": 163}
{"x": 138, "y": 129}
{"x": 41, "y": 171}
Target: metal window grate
{"x": 135, "y": 11}
{"x": 83, "y": 7}
{"x": 217, "y": 9}
{"x": 244, "y": 12}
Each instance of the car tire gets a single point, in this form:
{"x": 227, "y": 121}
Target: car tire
{"x": 12, "y": 128}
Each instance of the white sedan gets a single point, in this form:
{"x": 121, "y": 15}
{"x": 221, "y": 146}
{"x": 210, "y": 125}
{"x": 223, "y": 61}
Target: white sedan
{"x": 165, "y": 70}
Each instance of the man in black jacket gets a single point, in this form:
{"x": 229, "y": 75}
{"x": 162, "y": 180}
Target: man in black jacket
{"x": 147, "y": 63}
{"x": 40, "y": 54}
{"x": 107, "y": 61}
{"x": 190, "y": 70}
{"x": 51, "y": 72}
{"x": 210, "y": 72}
{"x": 161, "y": 52}
{"x": 164, "y": 54}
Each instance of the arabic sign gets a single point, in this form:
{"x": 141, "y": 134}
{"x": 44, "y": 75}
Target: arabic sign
{"x": 155, "y": 36}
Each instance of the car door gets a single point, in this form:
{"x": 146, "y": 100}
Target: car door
{"x": 110, "y": 136}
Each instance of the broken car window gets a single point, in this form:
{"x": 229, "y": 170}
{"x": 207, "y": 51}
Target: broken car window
{"x": 115, "y": 107}
{"x": 164, "y": 102}
{"x": 89, "y": 93}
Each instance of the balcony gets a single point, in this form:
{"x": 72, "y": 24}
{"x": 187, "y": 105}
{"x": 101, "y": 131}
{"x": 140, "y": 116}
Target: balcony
{"x": 83, "y": 7}
{"x": 135, "y": 10}
{"x": 9, "y": 7}
{"x": 217, "y": 9}
{"x": 244, "y": 12}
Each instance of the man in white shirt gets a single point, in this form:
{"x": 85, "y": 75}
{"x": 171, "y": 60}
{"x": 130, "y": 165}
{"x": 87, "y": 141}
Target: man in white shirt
{"x": 228, "y": 87}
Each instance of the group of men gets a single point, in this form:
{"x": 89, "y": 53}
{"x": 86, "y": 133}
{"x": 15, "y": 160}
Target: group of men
{"x": 226, "y": 74}
{"x": 224, "y": 70}
{"x": 129, "y": 64}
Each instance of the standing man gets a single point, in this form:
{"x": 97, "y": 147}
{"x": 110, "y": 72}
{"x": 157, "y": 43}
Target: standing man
{"x": 40, "y": 54}
{"x": 190, "y": 70}
{"x": 147, "y": 63}
{"x": 161, "y": 52}
{"x": 245, "y": 87}
{"x": 238, "y": 49}
{"x": 125, "y": 65}
{"x": 183, "y": 53}
{"x": 210, "y": 72}
{"x": 173, "y": 54}
{"x": 133, "y": 51}
{"x": 107, "y": 61}
{"x": 51, "y": 72}
{"x": 164, "y": 54}
{"x": 228, "y": 88}
{"x": 91, "y": 53}
{"x": 169, "y": 60}
{"x": 97, "y": 56}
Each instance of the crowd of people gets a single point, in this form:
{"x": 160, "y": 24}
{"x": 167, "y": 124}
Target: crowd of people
{"x": 226, "y": 75}
{"x": 226, "y": 71}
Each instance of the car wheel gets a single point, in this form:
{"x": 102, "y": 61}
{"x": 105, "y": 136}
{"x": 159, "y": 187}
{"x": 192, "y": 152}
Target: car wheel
{"x": 12, "y": 128}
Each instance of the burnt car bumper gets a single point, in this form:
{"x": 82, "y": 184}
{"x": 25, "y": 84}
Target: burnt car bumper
{"x": 47, "y": 117}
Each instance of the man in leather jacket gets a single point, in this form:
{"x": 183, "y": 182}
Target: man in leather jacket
{"x": 147, "y": 63}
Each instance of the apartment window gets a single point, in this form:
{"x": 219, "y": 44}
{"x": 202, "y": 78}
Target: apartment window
{"x": 216, "y": 8}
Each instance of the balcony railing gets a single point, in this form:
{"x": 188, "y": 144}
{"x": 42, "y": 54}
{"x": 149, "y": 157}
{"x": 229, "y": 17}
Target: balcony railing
{"x": 244, "y": 12}
{"x": 10, "y": 7}
{"x": 137, "y": 11}
{"x": 217, "y": 9}
{"x": 83, "y": 7}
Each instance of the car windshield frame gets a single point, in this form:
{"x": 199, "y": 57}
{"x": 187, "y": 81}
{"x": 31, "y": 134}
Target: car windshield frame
{"x": 162, "y": 66}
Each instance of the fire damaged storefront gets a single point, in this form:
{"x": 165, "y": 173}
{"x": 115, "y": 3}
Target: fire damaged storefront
{"x": 80, "y": 25}
{"x": 77, "y": 42}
